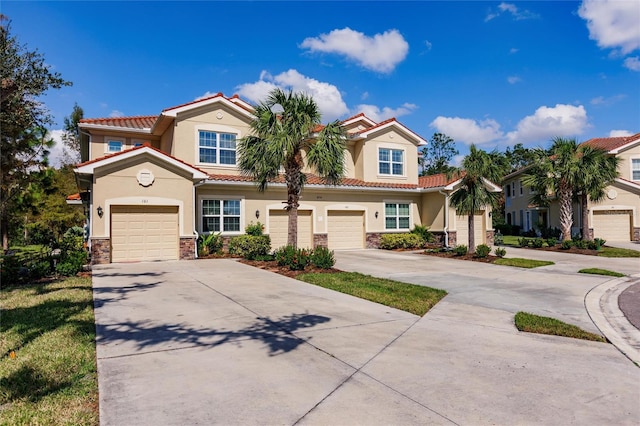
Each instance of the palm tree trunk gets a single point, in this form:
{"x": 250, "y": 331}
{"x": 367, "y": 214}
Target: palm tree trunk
{"x": 586, "y": 235}
{"x": 566, "y": 211}
{"x": 293, "y": 201}
{"x": 292, "y": 229}
{"x": 472, "y": 233}
{"x": 4, "y": 226}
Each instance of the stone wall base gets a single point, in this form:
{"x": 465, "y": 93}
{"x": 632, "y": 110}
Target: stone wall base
{"x": 636, "y": 234}
{"x": 187, "y": 248}
{"x": 320, "y": 240}
{"x": 373, "y": 240}
{"x": 100, "y": 251}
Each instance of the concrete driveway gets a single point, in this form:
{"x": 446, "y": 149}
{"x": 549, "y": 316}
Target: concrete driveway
{"x": 219, "y": 342}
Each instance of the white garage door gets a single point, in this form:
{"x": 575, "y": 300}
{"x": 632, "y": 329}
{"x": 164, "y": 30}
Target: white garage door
{"x": 346, "y": 230}
{"x": 142, "y": 233}
{"x": 278, "y": 228}
{"x": 462, "y": 227}
{"x": 612, "y": 225}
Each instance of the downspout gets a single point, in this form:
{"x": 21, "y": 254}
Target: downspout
{"x": 195, "y": 215}
{"x": 90, "y": 212}
{"x": 446, "y": 217}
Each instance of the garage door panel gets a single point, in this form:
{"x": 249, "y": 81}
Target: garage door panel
{"x": 279, "y": 225}
{"x": 612, "y": 225}
{"x": 143, "y": 233}
{"x": 345, "y": 229}
{"x": 462, "y": 229}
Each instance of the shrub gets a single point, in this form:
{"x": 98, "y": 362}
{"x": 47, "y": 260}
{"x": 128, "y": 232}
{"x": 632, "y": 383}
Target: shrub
{"x": 71, "y": 263}
{"x": 250, "y": 246}
{"x": 523, "y": 242}
{"x": 507, "y": 229}
{"x": 395, "y": 241}
{"x": 295, "y": 259}
{"x": 599, "y": 242}
{"x": 255, "y": 230}
{"x": 550, "y": 232}
{"x": 537, "y": 243}
{"x": 210, "y": 244}
{"x": 500, "y": 252}
{"x": 483, "y": 250}
{"x": 566, "y": 245}
{"x": 424, "y": 233}
{"x": 552, "y": 241}
{"x": 322, "y": 257}
{"x": 581, "y": 244}
{"x": 460, "y": 250}
{"x": 41, "y": 269}
{"x": 498, "y": 238}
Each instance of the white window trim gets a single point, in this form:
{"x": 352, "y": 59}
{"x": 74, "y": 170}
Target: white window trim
{"x": 108, "y": 139}
{"x": 404, "y": 161}
{"x": 218, "y": 128}
{"x": 513, "y": 189}
{"x": 521, "y": 192}
{"x": 199, "y": 215}
{"x": 384, "y": 215}
{"x": 637, "y": 158}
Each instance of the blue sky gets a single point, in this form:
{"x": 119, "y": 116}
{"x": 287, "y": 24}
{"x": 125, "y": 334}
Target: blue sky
{"x": 489, "y": 73}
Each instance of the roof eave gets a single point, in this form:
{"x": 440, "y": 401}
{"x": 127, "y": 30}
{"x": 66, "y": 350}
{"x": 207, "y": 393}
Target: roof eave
{"x": 89, "y": 126}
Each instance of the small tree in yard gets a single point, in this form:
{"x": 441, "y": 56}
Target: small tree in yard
{"x": 284, "y": 128}
{"x": 473, "y": 194}
{"x": 437, "y": 156}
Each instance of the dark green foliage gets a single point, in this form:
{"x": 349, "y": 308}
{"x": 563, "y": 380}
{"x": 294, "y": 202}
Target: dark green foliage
{"x": 210, "y": 244}
{"x": 537, "y": 243}
{"x": 296, "y": 259}
{"x": 250, "y": 246}
{"x": 255, "y": 230}
{"x": 483, "y": 250}
{"x": 322, "y": 257}
{"x": 71, "y": 262}
{"x": 524, "y": 242}
{"x": 460, "y": 250}
{"x": 437, "y": 155}
{"x": 404, "y": 241}
{"x": 424, "y": 233}
{"x": 551, "y": 241}
{"x": 500, "y": 252}
{"x": 581, "y": 244}
{"x": 566, "y": 244}
{"x": 507, "y": 229}
{"x": 498, "y": 238}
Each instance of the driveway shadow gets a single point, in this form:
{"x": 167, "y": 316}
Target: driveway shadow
{"x": 104, "y": 295}
{"x": 276, "y": 334}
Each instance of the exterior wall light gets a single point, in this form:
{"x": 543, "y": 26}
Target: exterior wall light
{"x": 376, "y": 215}
{"x": 257, "y": 214}
{"x": 100, "y": 211}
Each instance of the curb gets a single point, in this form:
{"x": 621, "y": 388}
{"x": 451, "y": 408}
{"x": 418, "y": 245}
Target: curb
{"x": 601, "y": 303}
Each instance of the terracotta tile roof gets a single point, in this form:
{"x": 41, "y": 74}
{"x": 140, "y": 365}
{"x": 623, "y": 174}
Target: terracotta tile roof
{"x": 74, "y": 197}
{"x": 135, "y": 122}
{"x": 145, "y": 145}
{"x": 315, "y": 180}
{"x": 235, "y": 98}
{"x": 613, "y": 143}
{"x": 435, "y": 181}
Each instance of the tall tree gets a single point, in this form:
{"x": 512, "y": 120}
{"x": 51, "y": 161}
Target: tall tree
{"x": 285, "y": 127}
{"x": 437, "y": 155}
{"x": 474, "y": 194}
{"x": 24, "y": 76}
{"x": 71, "y": 136}
{"x": 518, "y": 157}
{"x": 568, "y": 170}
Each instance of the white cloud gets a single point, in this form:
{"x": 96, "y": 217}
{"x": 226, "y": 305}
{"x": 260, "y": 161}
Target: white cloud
{"x": 56, "y": 153}
{"x": 377, "y": 114}
{"x": 511, "y": 8}
{"x": 549, "y": 122}
{"x": 633, "y": 63}
{"x": 618, "y": 133}
{"x": 601, "y": 100}
{"x": 115, "y": 114}
{"x": 380, "y": 53}
{"x": 326, "y": 95}
{"x": 613, "y": 24}
{"x": 468, "y": 131}
{"x": 364, "y": 96}
{"x": 514, "y": 79}
{"x": 428, "y": 44}
{"x": 513, "y": 50}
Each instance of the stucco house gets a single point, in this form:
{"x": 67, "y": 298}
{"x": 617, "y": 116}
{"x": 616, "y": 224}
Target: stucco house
{"x": 616, "y": 218}
{"x": 152, "y": 184}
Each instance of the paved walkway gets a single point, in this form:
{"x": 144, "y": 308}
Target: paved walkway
{"x": 216, "y": 341}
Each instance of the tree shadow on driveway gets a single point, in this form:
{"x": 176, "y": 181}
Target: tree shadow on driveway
{"x": 276, "y": 334}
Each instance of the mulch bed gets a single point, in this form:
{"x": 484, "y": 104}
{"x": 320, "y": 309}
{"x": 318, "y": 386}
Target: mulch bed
{"x": 469, "y": 256}
{"x": 272, "y": 266}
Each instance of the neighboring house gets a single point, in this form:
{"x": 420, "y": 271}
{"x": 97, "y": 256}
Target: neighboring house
{"x": 152, "y": 184}
{"x": 616, "y": 218}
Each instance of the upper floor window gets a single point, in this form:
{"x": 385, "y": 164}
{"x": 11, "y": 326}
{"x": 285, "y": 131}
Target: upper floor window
{"x": 508, "y": 190}
{"x": 220, "y": 215}
{"x": 114, "y": 146}
{"x": 635, "y": 169}
{"x": 396, "y": 216}
{"x": 520, "y": 183}
{"x": 390, "y": 162}
{"x": 217, "y": 148}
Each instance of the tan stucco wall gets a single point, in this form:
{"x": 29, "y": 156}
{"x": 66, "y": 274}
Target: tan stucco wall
{"x": 624, "y": 200}
{"x": 118, "y": 185}
{"x": 433, "y": 211}
{"x": 98, "y": 142}
{"x": 389, "y": 139}
{"x": 319, "y": 201}
{"x": 625, "y": 162}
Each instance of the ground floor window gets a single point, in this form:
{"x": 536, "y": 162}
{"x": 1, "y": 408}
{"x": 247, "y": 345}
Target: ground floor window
{"x": 396, "y": 216}
{"x": 220, "y": 215}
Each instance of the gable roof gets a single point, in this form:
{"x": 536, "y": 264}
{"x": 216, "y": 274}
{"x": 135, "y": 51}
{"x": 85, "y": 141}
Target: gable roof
{"x": 614, "y": 145}
{"x": 139, "y": 123}
{"x": 89, "y": 167}
{"x": 440, "y": 182}
{"x": 234, "y": 102}
{"x": 395, "y": 124}
{"x": 313, "y": 180}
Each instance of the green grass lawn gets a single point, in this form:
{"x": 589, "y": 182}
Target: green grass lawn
{"x": 407, "y": 297}
{"x": 607, "y": 251}
{"x": 522, "y": 263}
{"x": 544, "y": 325}
{"x": 598, "y": 271}
{"x": 48, "y": 357}
{"x": 510, "y": 240}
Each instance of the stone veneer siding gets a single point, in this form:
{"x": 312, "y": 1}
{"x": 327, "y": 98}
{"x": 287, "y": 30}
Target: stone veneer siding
{"x": 636, "y": 234}
{"x": 100, "y": 251}
{"x": 320, "y": 240}
{"x": 373, "y": 239}
{"x": 187, "y": 248}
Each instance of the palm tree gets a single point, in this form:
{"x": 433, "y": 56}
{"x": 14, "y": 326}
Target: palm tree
{"x": 569, "y": 169}
{"x": 285, "y": 126}
{"x": 474, "y": 194}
